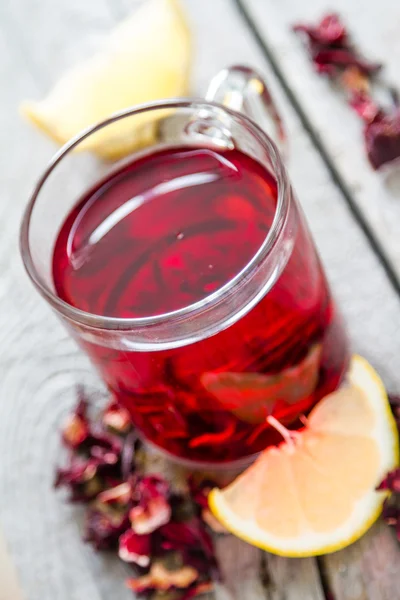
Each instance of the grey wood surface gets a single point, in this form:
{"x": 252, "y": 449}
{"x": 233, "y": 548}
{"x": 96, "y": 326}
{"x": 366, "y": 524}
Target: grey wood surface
{"x": 9, "y": 584}
{"x": 39, "y": 363}
{"x": 374, "y": 27}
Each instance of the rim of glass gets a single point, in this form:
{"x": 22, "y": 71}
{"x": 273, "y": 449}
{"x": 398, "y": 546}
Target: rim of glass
{"x": 113, "y": 323}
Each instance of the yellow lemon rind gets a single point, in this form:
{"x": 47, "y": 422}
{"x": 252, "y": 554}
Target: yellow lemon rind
{"x": 54, "y": 115}
{"x": 365, "y": 512}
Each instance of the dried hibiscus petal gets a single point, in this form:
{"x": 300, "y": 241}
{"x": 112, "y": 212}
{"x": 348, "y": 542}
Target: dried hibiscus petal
{"x": 382, "y": 139}
{"x": 394, "y": 400}
{"x": 80, "y": 478}
{"x": 395, "y": 405}
{"x": 391, "y": 507}
{"x": 118, "y": 495}
{"x": 147, "y": 520}
{"x": 103, "y": 442}
{"x": 104, "y": 456}
{"x": 76, "y": 427}
{"x": 178, "y": 536}
{"x": 78, "y": 472}
{"x": 330, "y": 48}
{"x": 339, "y": 58}
{"x": 365, "y": 106}
{"x": 199, "y": 491}
{"x": 191, "y": 533}
{"x": 391, "y": 513}
{"x": 152, "y": 509}
{"x": 134, "y": 548}
{"x": 332, "y": 54}
{"x": 162, "y": 579}
{"x": 117, "y": 418}
{"x": 137, "y": 515}
{"x": 105, "y": 453}
{"x": 355, "y": 81}
{"x": 329, "y": 31}
{"x": 192, "y": 540}
{"x": 391, "y": 482}
{"x": 103, "y": 527}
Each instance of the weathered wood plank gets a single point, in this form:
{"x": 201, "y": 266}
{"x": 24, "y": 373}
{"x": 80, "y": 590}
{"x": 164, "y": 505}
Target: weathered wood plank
{"x": 242, "y": 569}
{"x": 366, "y": 570}
{"x": 10, "y": 588}
{"x": 347, "y": 571}
{"x": 42, "y": 532}
{"x": 39, "y": 363}
{"x": 291, "y": 576}
{"x": 374, "y": 27}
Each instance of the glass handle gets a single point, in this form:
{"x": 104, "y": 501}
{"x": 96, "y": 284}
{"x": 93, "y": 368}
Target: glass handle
{"x": 244, "y": 90}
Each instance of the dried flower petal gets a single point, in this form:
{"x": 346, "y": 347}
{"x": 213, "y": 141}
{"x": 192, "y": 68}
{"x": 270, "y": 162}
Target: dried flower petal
{"x": 76, "y": 427}
{"x": 80, "y": 477}
{"x": 78, "y": 472}
{"x": 152, "y": 509}
{"x": 382, "y": 139}
{"x": 391, "y": 513}
{"x": 104, "y": 456}
{"x": 134, "y": 548}
{"x": 355, "y": 81}
{"x": 134, "y": 514}
{"x": 199, "y": 490}
{"x": 391, "y": 482}
{"x": 332, "y": 54}
{"x": 118, "y": 495}
{"x": 391, "y": 507}
{"x": 178, "y": 536}
{"x": 188, "y": 536}
{"x": 75, "y": 431}
{"x": 103, "y": 528}
{"x": 147, "y": 520}
{"x": 329, "y": 31}
{"x": 340, "y": 59}
{"x": 160, "y": 578}
{"x": 116, "y": 417}
{"x": 394, "y": 399}
{"x": 330, "y": 48}
{"x": 365, "y": 106}
{"x": 395, "y": 406}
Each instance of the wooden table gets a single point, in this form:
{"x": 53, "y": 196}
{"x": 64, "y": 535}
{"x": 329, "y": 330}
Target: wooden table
{"x": 354, "y": 216}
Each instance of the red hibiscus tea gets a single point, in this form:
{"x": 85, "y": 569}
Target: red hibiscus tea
{"x": 166, "y": 231}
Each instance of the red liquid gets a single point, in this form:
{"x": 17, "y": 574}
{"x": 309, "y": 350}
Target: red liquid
{"x": 164, "y": 232}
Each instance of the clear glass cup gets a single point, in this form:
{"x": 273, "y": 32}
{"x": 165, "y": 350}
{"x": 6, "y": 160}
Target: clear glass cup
{"x": 202, "y": 380}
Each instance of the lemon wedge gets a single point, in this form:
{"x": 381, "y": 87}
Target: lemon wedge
{"x": 316, "y": 492}
{"x": 146, "y": 57}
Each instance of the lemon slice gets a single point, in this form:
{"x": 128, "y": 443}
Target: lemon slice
{"x": 315, "y": 493}
{"x": 147, "y": 57}
{"x": 251, "y": 396}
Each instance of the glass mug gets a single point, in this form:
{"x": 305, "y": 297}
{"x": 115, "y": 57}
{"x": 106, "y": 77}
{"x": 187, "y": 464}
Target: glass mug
{"x": 188, "y": 275}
